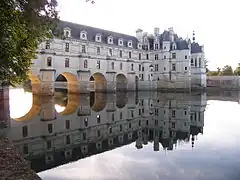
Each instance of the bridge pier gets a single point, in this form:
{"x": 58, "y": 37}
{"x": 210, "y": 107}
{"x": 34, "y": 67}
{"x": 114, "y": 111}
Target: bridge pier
{"x": 48, "y": 112}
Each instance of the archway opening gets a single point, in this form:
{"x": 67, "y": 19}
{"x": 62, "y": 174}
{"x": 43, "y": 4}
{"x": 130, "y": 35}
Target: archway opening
{"x": 121, "y": 99}
{"x": 97, "y": 101}
{"x": 99, "y": 82}
{"x": 69, "y": 81}
{"x": 34, "y": 111}
{"x": 121, "y": 82}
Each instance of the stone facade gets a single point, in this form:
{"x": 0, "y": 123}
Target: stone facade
{"x": 92, "y": 59}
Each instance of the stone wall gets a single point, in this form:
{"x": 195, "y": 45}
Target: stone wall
{"x": 224, "y": 82}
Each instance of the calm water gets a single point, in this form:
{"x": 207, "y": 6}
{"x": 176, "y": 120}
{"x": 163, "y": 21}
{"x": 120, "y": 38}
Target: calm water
{"x": 128, "y": 136}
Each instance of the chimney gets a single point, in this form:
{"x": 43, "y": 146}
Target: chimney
{"x": 171, "y": 34}
{"x": 139, "y": 34}
{"x": 156, "y": 31}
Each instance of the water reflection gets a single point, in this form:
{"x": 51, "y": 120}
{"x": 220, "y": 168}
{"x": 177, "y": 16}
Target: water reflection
{"x": 85, "y": 125}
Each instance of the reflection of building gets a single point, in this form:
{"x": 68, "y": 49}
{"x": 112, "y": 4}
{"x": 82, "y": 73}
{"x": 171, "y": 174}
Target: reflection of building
{"x": 101, "y": 122}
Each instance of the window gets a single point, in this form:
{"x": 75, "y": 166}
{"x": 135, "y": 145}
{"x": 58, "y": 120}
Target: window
{"x": 147, "y": 56}
{"x": 186, "y": 57}
{"x": 98, "y": 50}
{"x": 68, "y": 139}
{"x": 139, "y": 68}
{"x": 25, "y": 149}
{"x": 98, "y": 133}
{"x": 85, "y": 64}
{"x": 49, "y": 144}
{"x": 67, "y": 124}
{"x": 98, "y": 119}
{"x": 139, "y": 46}
{"x": 192, "y": 63}
{"x": 131, "y": 67}
{"x": 50, "y": 128}
{"x": 185, "y": 112}
{"x": 121, "y": 115}
{"x": 129, "y": 43}
{"x": 165, "y": 47}
{"x": 129, "y": 125}
{"x": 110, "y": 53}
{"x": 156, "y": 122}
{"x": 120, "y": 42}
{"x": 173, "y": 67}
{"x": 121, "y": 66}
{"x": 47, "y": 45}
{"x": 139, "y": 122}
{"x": 110, "y": 130}
{"x": 156, "y": 46}
{"x": 120, "y": 128}
{"x": 164, "y": 68}
{"x": 112, "y": 64}
{"x": 84, "y": 135}
{"x": 86, "y": 122}
{"x": 173, "y": 113}
{"x": 173, "y": 124}
{"x": 110, "y": 40}
{"x": 139, "y": 56}
{"x": 66, "y": 63}
{"x": 129, "y": 54}
{"x": 113, "y": 117}
{"x": 83, "y": 35}
{"x": 83, "y": 49}
{"x": 200, "y": 62}
{"x": 185, "y": 68}
{"x": 67, "y": 34}
{"x": 173, "y": 55}
{"x": 143, "y": 68}
{"x": 195, "y": 62}
{"x": 174, "y": 47}
{"x": 164, "y": 57}
{"x": 156, "y": 56}
{"x": 98, "y": 38}
{"x": 120, "y": 53}
{"x": 66, "y": 47}
{"x": 49, "y": 61}
{"x": 156, "y": 67}
{"x": 98, "y": 64}
{"x": 24, "y": 131}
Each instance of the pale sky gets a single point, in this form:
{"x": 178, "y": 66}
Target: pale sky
{"x": 216, "y": 22}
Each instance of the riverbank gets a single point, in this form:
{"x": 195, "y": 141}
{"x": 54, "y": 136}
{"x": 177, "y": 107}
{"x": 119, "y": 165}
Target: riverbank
{"x": 12, "y": 165}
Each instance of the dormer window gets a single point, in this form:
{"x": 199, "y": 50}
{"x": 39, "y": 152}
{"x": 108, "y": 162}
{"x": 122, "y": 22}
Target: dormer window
{"x": 139, "y": 46}
{"x": 110, "y": 40}
{"x": 120, "y": 42}
{"x": 67, "y": 32}
{"x": 174, "y": 47}
{"x": 98, "y": 38}
{"x": 129, "y": 43}
{"x": 83, "y": 35}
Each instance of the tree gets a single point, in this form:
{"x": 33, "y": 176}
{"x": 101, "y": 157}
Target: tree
{"x": 237, "y": 70}
{"x": 227, "y": 71}
{"x": 24, "y": 25}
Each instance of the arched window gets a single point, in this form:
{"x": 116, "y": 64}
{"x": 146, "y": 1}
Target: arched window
{"x": 49, "y": 61}
{"x": 121, "y": 66}
{"x": 112, "y": 65}
{"x": 67, "y": 34}
{"x": 85, "y": 64}
{"x": 131, "y": 67}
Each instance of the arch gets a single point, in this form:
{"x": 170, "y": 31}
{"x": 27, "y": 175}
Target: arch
{"x": 100, "y": 82}
{"x": 34, "y": 111}
{"x": 35, "y": 83}
{"x": 73, "y": 85}
{"x": 121, "y": 82}
{"x": 72, "y": 104}
{"x": 97, "y": 101}
{"x": 121, "y": 99}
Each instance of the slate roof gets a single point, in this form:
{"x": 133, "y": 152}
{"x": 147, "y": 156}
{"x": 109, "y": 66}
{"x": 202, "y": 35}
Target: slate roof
{"x": 196, "y": 48}
{"x": 92, "y": 31}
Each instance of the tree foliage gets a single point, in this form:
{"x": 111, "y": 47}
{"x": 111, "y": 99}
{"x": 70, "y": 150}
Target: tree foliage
{"x": 227, "y": 71}
{"x": 24, "y": 24}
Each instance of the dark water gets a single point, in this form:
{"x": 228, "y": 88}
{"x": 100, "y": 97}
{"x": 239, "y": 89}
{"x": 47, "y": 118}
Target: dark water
{"x": 128, "y": 135}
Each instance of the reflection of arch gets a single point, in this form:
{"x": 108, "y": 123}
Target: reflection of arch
{"x": 98, "y": 101}
{"x": 34, "y": 111}
{"x": 35, "y": 82}
{"x": 100, "y": 82}
{"x": 72, "y": 104}
{"x": 121, "y": 99}
{"x": 73, "y": 85}
{"x": 121, "y": 82}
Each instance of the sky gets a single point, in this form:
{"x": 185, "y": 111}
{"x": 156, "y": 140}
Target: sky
{"x": 215, "y": 22}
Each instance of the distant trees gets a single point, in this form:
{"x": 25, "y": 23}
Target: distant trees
{"x": 227, "y": 70}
